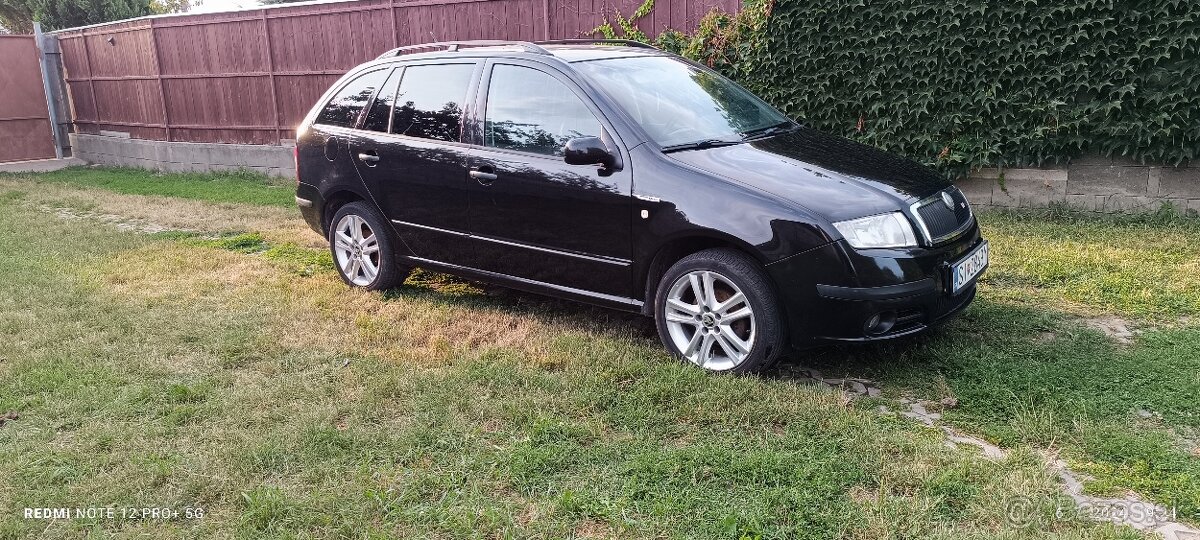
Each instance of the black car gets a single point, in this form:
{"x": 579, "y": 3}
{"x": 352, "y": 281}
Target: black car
{"x": 620, "y": 175}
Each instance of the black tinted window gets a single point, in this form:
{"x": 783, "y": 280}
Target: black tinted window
{"x": 381, "y": 109}
{"x": 343, "y": 109}
{"x": 430, "y": 101}
{"x": 531, "y": 111}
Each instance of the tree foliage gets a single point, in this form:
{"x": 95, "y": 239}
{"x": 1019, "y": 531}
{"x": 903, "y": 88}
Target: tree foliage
{"x": 18, "y": 15}
{"x": 971, "y": 83}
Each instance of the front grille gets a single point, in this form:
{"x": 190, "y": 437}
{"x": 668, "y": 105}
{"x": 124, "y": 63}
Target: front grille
{"x": 942, "y": 221}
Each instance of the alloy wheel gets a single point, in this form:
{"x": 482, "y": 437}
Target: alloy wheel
{"x": 710, "y": 320}
{"x": 356, "y": 249}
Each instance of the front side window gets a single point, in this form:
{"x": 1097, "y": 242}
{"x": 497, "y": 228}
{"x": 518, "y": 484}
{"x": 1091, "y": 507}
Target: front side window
{"x": 530, "y": 111}
{"x": 677, "y": 102}
{"x": 430, "y": 101}
{"x": 343, "y": 109}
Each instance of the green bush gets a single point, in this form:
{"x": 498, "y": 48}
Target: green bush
{"x": 972, "y": 83}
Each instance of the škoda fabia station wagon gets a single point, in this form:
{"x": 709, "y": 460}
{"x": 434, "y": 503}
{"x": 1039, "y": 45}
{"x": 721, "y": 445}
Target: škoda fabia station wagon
{"x": 617, "y": 174}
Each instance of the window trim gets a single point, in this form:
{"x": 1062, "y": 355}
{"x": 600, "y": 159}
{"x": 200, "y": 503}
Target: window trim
{"x": 479, "y": 114}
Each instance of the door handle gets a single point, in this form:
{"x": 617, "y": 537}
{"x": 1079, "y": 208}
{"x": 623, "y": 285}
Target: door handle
{"x": 368, "y": 158}
{"x": 483, "y": 176}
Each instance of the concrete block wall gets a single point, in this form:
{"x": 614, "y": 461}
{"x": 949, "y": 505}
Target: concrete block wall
{"x": 1096, "y": 184}
{"x": 119, "y": 149}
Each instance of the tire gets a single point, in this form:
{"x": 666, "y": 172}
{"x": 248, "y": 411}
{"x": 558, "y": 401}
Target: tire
{"x": 371, "y": 248}
{"x": 748, "y": 341}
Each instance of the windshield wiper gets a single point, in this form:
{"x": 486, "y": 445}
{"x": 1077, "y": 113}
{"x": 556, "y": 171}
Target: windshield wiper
{"x": 699, "y": 145}
{"x": 759, "y": 133}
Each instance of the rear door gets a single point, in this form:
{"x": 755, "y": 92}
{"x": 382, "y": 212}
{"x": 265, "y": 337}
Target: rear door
{"x": 539, "y": 218}
{"x": 410, "y": 154}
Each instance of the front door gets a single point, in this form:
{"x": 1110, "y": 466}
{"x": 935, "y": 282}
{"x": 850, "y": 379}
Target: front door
{"x": 532, "y": 215}
{"x": 410, "y": 155}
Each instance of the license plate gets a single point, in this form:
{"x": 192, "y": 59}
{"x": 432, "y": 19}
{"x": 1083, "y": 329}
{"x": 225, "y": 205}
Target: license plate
{"x": 964, "y": 272}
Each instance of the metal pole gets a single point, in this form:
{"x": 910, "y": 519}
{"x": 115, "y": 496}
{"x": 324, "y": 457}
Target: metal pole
{"x": 44, "y": 63}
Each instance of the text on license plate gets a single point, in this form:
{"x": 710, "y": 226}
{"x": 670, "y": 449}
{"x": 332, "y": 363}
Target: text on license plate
{"x": 968, "y": 268}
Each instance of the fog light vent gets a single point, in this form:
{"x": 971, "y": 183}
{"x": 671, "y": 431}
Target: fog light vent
{"x": 880, "y": 323}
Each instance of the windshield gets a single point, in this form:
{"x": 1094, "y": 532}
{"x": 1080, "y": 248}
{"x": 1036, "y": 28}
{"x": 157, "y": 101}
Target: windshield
{"x": 678, "y": 103}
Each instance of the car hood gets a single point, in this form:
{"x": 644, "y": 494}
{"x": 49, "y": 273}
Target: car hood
{"x": 832, "y": 176}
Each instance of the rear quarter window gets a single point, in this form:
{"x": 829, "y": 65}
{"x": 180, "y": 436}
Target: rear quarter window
{"x": 344, "y": 108}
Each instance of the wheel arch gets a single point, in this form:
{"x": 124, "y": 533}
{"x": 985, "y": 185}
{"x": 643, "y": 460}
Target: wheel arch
{"x": 333, "y": 202}
{"x": 671, "y": 251}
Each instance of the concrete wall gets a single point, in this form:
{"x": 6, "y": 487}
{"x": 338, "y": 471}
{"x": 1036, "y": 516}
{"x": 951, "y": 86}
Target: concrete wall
{"x": 118, "y": 149}
{"x": 1096, "y": 184}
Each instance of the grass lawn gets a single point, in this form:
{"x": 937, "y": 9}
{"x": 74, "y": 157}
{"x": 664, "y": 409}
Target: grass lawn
{"x": 221, "y": 364}
{"x": 230, "y": 187}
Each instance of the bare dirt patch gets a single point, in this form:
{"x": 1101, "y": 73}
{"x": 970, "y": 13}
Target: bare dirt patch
{"x": 147, "y": 214}
{"x": 1114, "y": 327}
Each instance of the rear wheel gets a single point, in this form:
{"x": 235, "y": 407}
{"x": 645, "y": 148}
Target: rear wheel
{"x": 361, "y": 244}
{"x": 716, "y": 309}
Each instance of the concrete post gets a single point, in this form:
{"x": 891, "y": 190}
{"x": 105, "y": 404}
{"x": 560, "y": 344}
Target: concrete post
{"x": 50, "y": 60}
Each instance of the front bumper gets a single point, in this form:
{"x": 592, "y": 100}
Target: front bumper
{"x": 833, "y": 293}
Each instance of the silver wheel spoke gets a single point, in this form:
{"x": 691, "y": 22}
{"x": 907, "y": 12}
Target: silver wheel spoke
{"x": 710, "y": 293}
{"x": 369, "y": 269}
{"x": 697, "y": 289}
{"x": 739, "y": 314}
{"x": 706, "y": 350}
{"x": 728, "y": 336}
{"x": 689, "y": 351}
{"x": 681, "y": 306}
{"x": 682, "y": 319}
{"x": 732, "y": 354}
{"x": 732, "y": 301}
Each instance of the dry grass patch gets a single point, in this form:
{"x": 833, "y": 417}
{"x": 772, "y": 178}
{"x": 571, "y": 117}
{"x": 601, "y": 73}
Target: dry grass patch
{"x": 276, "y": 224}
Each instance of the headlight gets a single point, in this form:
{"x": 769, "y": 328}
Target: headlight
{"x": 882, "y": 231}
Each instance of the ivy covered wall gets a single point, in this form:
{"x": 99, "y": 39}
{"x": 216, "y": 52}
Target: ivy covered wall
{"x": 973, "y": 83}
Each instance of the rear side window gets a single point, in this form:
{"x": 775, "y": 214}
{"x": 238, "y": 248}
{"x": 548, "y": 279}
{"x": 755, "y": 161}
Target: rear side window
{"x": 381, "y": 109}
{"x": 343, "y": 109}
{"x": 430, "y": 101}
{"x": 531, "y": 111}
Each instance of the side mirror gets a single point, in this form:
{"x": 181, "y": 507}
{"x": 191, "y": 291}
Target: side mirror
{"x": 588, "y": 151}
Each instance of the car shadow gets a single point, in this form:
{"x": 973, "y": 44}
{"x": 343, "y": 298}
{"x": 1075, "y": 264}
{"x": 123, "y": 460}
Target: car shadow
{"x": 851, "y": 359}
{"x": 462, "y": 292}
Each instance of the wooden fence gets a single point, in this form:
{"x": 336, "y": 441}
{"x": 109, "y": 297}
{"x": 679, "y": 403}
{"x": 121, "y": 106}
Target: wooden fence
{"x": 25, "y": 127}
{"x": 249, "y": 76}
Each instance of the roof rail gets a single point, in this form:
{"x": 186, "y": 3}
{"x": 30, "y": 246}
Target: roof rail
{"x": 456, "y": 45}
{"x": 581, "y": 41}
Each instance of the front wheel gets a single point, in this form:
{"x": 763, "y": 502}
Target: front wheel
{"x": 717, "y": 309}
{"x": 361, "y": 244}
